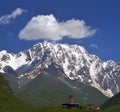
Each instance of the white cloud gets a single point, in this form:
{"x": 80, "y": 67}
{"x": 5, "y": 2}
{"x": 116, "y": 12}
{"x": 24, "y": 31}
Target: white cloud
{"x": 48, "y": 27}
{"x": 6, "y": 19}
{"x": 95, "y": 46}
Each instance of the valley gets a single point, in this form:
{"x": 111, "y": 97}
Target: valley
{"x": 10, "y": 103}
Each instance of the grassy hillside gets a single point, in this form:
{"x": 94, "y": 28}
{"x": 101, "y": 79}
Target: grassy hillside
{"x": 45, "y": 91}
{"x": 115, "y": 100}
{"x": 59, "y": 109}
{"x": 112, "y": 104}
{"x": 115, "y": 108}
{"x": 8, "y": 102}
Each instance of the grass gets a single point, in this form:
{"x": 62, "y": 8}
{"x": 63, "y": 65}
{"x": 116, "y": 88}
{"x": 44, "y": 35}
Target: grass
{"x": 115, "y": 100}
{"x": 59, "y": 109}
{"x": 9, "y": 102}
{"x": 115, "y": 108}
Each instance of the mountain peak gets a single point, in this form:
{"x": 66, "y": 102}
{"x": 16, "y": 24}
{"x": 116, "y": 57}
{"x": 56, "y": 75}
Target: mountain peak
{"x": 71, "y": 61}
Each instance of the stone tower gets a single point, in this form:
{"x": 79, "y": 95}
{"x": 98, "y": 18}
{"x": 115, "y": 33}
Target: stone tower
{"x": 71, "y": 99}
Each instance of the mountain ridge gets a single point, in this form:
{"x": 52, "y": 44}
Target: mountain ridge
{"x": 71, "y": 61}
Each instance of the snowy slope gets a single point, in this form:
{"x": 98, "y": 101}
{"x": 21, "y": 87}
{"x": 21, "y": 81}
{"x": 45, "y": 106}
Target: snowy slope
{"x": 12, "y": 60}
{"x": 70, "y": 61}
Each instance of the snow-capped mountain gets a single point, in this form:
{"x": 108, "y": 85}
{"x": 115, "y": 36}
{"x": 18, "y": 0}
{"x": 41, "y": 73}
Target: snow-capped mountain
{"x": 62, "y": 60}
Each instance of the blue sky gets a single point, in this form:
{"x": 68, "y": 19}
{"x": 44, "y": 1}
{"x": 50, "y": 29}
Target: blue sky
{"x": 94, "y": 24}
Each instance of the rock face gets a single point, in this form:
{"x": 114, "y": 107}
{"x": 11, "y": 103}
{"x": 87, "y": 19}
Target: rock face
{"x": 63, "y": 61}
